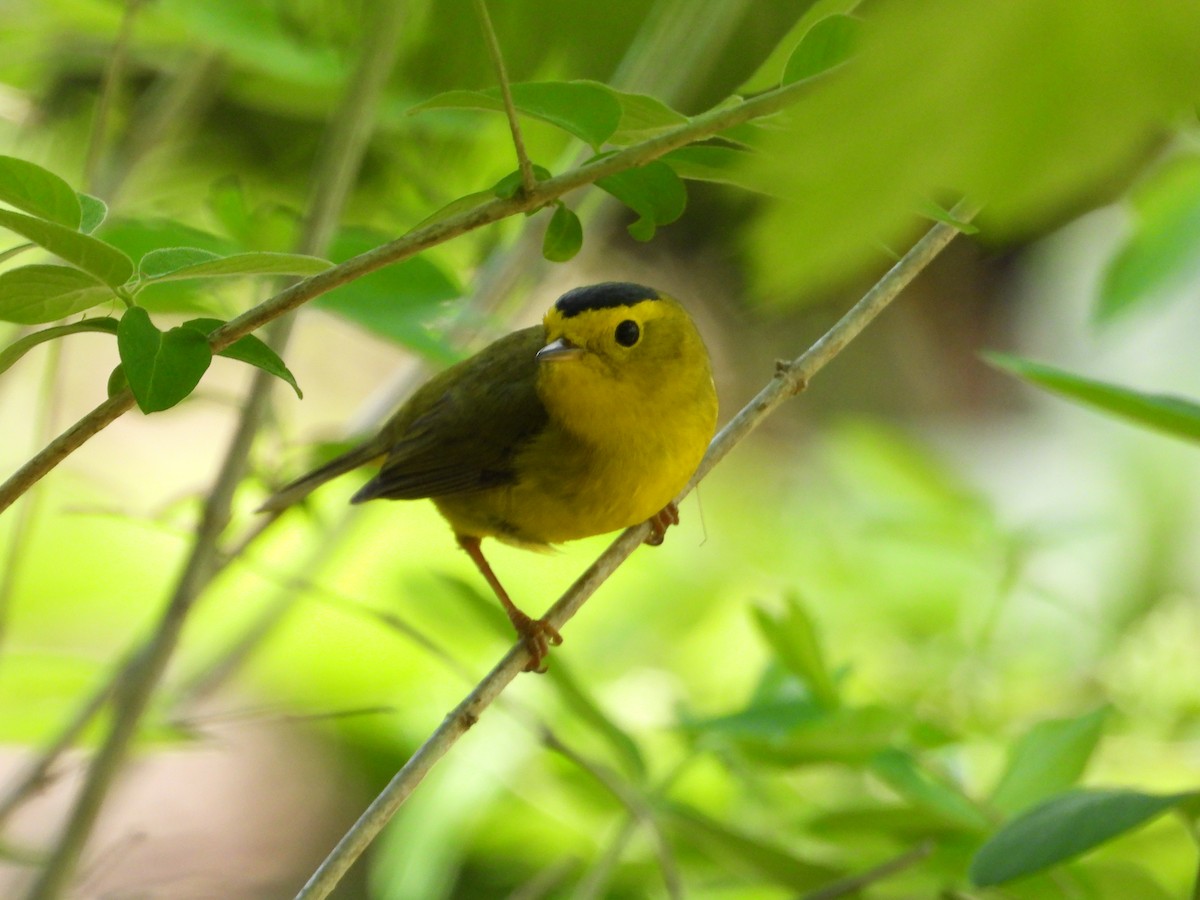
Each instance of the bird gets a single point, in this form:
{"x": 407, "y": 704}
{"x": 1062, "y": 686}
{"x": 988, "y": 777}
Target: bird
{"x": 588, "y": 423}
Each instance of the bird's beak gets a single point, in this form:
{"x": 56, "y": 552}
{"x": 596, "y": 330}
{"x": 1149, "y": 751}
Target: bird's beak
{"x": 559, "y": 350}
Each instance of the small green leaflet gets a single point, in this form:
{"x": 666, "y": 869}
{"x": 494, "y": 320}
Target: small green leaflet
{"x": 508, "y": 186}
{"x": 1176, "y": 416}
{"x": 38, "y": 192}
{"x": 1065, "y": 827}
{"x": 642, "y": 117}
{"x": 161, "y": 367}
{"x": 935, "y": 212}
{"x": 564, "y": 235}
{"x": 711, "y": 162}
{"x": 94, "y": 212}
{"x": 792, "y": 635}
{"x": 902, "y": 773}
{"x": 1164, "y": 247}
{"x": 175, "y": 263}
{"x": 249, "y": 349}
{"x": 19, "y": 348}
{"x": 587, "y": 110}
{"x": 770, "y": 73}
{"x": 103, "y": 260}
{"x": 1049, "y": 758}
{"x": 32, "y": 295}
{"x": 828, "y": 43}
{"x": 653, "y": 191}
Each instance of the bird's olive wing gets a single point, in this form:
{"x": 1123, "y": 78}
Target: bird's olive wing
{"x": 460, "y": 432}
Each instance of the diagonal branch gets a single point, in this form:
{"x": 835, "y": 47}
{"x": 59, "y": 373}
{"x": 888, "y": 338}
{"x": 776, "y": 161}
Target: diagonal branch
{"x": 790, "y": 378}
{"x": 409, "y": 245}
{"x": 528, "y": 182}
{"x": 338, "y": 166}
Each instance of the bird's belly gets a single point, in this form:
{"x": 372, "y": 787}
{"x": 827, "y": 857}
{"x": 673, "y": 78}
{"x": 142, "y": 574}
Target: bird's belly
{"x": 567, "y": 493}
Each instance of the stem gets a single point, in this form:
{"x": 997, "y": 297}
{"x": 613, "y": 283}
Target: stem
{"x": 108, "y": 92}
{"x": 409, "y": 245}
{"x": 528, "y": 182}
{"x": 790, "y": 378}
{"x": 337, "y": 167}
{"x": 133, "y": 692}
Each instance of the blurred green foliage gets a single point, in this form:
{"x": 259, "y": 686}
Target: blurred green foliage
{"x": 861, "y": 647}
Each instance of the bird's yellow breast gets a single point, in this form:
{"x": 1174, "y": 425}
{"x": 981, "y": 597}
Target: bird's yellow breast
{"x": 626, "y": 428}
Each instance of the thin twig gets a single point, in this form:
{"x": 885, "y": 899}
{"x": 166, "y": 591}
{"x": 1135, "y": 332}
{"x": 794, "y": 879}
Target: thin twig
{"x": 855, "y": 883}
{"x": 338, "y": 166}
{"x": 38, "y": 774}
{"x": 528, "y": 182}
{"x": 108, "y": 92}
{"x": 790, "y": 378}
{"x": 409, "y": 245}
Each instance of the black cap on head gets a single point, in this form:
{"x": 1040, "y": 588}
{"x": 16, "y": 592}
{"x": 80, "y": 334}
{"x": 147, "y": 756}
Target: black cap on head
{"x": 603, "y": 296}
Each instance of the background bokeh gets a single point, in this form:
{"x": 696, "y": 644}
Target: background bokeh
{"x": 969, "y": 556}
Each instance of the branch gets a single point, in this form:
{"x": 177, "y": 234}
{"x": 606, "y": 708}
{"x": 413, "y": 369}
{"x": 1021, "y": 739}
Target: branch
{"x": 528, "y": 182}
{"x": 108, "y": 92}
{"x": 409, "y": 245}
{"x": 338, "y": 166}
{"x": 790, "y": 378}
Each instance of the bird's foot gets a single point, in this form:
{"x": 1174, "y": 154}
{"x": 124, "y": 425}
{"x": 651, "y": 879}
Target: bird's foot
{"x": 660, "y": 522}
{"x": 537, "y": 635}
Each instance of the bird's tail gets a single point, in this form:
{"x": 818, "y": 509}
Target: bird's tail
{"x": 306, "y": 484}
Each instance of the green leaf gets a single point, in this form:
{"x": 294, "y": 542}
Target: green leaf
{"x": 1176, "y": 416}
{"x": 34, "y": 294}
{"x": 828, "y": 43}
{"x": 508, "y": 186}
{"x": 137, "y": 237}
{"x": 770, "y": 73}
{"x": 792, "y": 635}
{"x": 938, "y": 214}
{"x": 1164, "y": 248}
{"x": 855, "y": 153}
{"x": 161, "y": 367}
{"x": 586, "y": 109}
{"x": 1065, "y": 827}
{"x": 19, "y": 348}
{"x": 564, "y": 235}
{"x": 643, "y": 117}
{"x": 903, "y": 775}
{"x": 653, "y": 191}
{"x": 397, "y": 302}
{"x": 249, "y": 349}
{"x": 94, "y": 212}
{"x": 177, "y": 263}
{"x": 164, "y": 261}
{"x": 758, "y": 855}
{"x": 104, "y": 261}
{"x": 710, "y": 162}
{"x": 39, "y": 192}
{"x": 1047, "y": 760}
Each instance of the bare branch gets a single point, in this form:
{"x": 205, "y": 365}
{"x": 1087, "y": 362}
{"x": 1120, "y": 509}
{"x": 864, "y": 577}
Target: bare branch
{"x": 790, "y": 378}
{"x": 409, "y": 245}
{"x": 528, "y": 182}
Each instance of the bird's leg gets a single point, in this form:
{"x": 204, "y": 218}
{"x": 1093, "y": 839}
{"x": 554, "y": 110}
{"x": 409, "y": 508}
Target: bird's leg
{"x": 660, "y": 522}
{"x": 537, "y": 634}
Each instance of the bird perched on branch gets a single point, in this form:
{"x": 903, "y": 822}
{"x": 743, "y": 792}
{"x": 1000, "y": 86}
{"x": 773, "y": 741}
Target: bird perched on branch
{"x": 585, "y": 424}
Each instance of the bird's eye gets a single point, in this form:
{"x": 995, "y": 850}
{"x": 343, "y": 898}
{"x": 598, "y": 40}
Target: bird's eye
{"x": 627, "y": 333}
